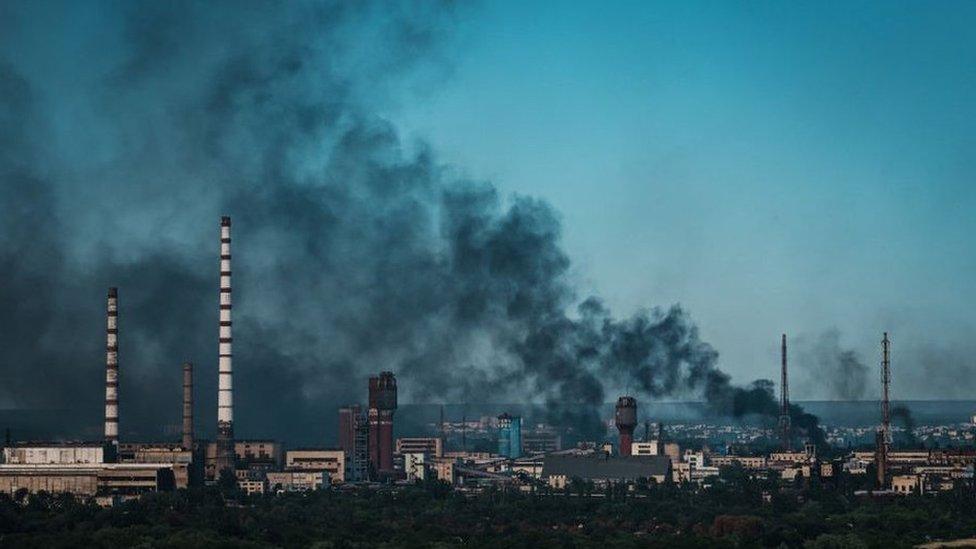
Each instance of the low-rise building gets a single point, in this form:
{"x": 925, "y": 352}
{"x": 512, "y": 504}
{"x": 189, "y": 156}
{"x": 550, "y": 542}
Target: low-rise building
{"x": 905, "y": 484}
{"x": 252, "y": 486}
{"x": 541, "y": 441}
{"x": 558, "y": 470}
{"x": 415, "y": 466}
{"x": 61, "y": 453}
{"x": 444, "y": 468}
{"x": 432, "y": 446}
{"x": 748, "y": 462}
{"x": 651, "y": 448}
{"x": 296, "y": 480}
{"x": 265, "y": 454}
{"x": 87, "y": 479}
{"x": 333, "y": 461}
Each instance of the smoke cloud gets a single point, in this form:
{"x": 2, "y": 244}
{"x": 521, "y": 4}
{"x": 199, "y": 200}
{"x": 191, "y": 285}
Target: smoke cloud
{"x": 121, "y": 144}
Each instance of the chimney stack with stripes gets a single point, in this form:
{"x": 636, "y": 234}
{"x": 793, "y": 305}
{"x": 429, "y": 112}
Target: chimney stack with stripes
{"x": 112, "y": 369}
{"x": 225, "y": 394}
{"x": 187, "y": 406}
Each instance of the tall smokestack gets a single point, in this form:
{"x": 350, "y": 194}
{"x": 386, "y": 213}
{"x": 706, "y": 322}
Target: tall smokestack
{"x": 784, "y": 402}
{"x": 187, "y": 406}
{"x": 225, "y": 388}
{"x": 884, "y": 433}
{"x": 112, "y": 369}
{"x": 625, "y": 417}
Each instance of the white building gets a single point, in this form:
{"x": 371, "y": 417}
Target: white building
{"x": 333, "y": 461}
{"x": 414, "y": 465}
{"x": 54, "y": 453}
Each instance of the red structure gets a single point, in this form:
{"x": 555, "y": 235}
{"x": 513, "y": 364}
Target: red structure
{"x": 382, "y": 404}
{"x": 626, "y": 419}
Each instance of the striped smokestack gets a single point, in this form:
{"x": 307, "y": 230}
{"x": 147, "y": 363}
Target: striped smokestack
{"x": 187, "y": 406}
{"x": 112, "y": 368}
{"x": 225, "y": 394}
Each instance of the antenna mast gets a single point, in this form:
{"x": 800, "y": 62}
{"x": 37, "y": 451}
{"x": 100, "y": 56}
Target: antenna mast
{"x": 784, "y": 402}
{"x": 884, "y": 434}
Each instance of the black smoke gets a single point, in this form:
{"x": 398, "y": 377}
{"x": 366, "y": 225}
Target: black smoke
{"x": 902, "y": 414}
{"x": 354, "y": 251}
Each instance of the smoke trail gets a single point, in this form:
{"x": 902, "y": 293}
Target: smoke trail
{"x": 354, "y": 252}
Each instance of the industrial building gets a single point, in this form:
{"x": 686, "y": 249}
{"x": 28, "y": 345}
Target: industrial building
{"x": 541, "y": 441}
{"x": 259, "y": 454}
{"x": 430, "y": 446}
{"x": 382, "y": 405}
{"x": 510, "y": 436}
{"x": 59, "y": 453}
{"x": 296, "y": 481}
{"x": 415, "y": 466}
{"x": 559, "y": 469}
{"x": 332, "y": 461}
{"x": 354, "y": 440}
{"x": 107, "y": 479}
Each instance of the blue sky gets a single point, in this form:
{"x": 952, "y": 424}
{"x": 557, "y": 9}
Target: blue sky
{"x": 771, "y": 166}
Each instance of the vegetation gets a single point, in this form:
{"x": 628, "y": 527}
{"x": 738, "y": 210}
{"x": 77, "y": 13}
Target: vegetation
{"x": 733, "y": 512}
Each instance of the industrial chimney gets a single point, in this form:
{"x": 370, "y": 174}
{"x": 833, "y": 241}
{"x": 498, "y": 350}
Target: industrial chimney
{"x": 225, "y": 392}
{"x": 187, "y": 406}
{"x": 112, "y": 370}
{"x": 626, "y": 419}
{"x": 382, "y": 404}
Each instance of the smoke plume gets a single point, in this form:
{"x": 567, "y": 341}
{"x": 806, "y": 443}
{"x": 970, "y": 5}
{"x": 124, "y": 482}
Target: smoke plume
{"x": 829, "y": 369}
{"x": 124, "y": 140}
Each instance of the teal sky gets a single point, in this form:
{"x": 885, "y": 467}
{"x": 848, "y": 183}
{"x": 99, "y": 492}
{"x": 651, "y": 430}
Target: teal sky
{"x": 771, "y": 166}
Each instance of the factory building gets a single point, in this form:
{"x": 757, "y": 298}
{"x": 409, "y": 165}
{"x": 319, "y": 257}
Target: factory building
{"x": 541, "y": 441}
{"x": 332, "y": 461}
{"x": 296, "y": 481}
{"x": 91, "y": 479}
{"x": 415, "y": 465}
{"x": 54, "y": 453}
{"x": 430, "y": 446}
{"x": 558, "y": 469}
{"x": 266, "y": 455}
{"x": 510, "y": 436}
{"x": 652, "y": 448}
{"x": 382, "y": 405}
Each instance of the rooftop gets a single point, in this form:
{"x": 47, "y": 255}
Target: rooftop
{"x": 601, "y": 466}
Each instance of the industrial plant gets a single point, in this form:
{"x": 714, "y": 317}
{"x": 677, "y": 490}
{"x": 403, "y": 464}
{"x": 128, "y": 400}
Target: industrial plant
{"x": 367, "y": 452}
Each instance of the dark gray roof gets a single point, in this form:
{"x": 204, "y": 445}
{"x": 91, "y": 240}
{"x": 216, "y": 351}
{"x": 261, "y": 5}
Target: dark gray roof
{"x": 603, "y": 467}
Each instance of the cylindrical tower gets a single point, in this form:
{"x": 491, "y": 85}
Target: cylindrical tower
{"x": 187, "y": 406}
{"x": 112, "y": 369}
{"x": 626, "y": 419}
{"x": 225, "y": 386}
{"x": 382, "y": 404}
